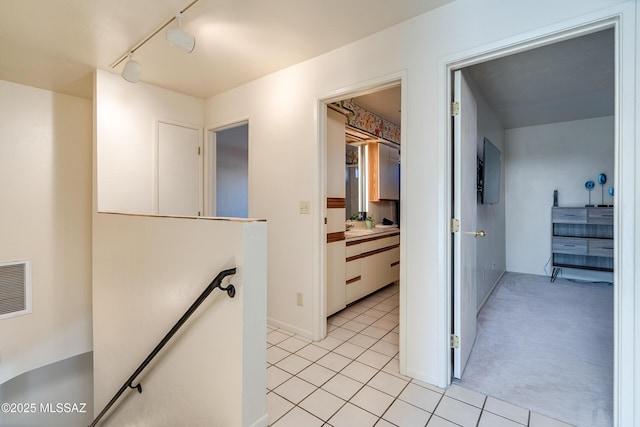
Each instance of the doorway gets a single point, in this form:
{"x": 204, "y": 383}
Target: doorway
{"x": 339, "y": 128}
{"x": 228, "y": 171}
{"x": 538, "y": 205}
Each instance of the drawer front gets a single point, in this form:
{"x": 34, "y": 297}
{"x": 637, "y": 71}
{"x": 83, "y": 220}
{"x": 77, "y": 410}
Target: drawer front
{"x": 353, "y": 250}
{"x": 567, "y": 245}
{"x": 569, "y": 215}
{"x": 600, "y": 216}
{"x": 380, "y": 243}
{"x": 601, "y": 247}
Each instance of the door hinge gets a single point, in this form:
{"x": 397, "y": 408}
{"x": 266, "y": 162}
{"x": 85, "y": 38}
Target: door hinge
{"x": 198, "y": 151}
{"x": 455, "y": 108}
{"x": 454, "y": 340}
{"x": 325, "y": 220}
{"x": 455, "y": 225}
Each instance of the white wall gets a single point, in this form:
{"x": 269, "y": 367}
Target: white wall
{"x": 45, "y": 170}
{"x": 540, "y": 159}
{"x": 285, "y": 131}
{"x": 146, "y": 272}
{"x": 491, "y": 250}
{"x": 126, "y": 131}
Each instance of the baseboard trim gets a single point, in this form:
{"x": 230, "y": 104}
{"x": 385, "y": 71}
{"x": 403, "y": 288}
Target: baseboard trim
{"x": 290, "y": 328}
{"x": 490, "y": 292}
{"x": 263, "y": 421}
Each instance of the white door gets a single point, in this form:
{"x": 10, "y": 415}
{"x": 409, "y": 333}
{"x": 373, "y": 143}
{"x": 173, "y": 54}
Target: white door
{"x": 464, "y": 241}
{"x": 179, "y": 170}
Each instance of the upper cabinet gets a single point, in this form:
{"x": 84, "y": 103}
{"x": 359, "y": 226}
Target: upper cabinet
{"x": 384, "y": 172}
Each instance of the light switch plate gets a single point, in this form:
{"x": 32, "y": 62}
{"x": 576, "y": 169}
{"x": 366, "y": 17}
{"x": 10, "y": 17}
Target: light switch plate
{"x": 305, "y": 207}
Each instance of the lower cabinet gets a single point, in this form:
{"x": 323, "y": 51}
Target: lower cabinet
{"x": 372, "y": 263}
{"x": 335, "y": 277}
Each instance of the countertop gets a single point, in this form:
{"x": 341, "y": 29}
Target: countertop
{"x": 360, "y": 234}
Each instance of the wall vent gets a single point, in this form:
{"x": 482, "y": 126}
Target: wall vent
{"x": 15, "y": 288}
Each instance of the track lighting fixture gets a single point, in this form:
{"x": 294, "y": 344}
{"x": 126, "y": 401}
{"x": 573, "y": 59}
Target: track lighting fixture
{"x": 176, "y": 37}
{"x": 179, "y": 38}
{"x": 131, "y": 70}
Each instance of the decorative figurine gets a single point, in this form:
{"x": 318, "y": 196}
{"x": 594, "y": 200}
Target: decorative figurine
{"x": 589, "y": 186}
{"x": 602, "y": 180}
{"x": 611, "y": 194}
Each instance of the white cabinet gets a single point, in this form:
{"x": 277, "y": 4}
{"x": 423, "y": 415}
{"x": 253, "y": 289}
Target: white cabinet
{"x": 335, "y": 214}
{"x": 336, "y": 292}
{"x": 372, "y": 263}
{"x": 384, "y": 172}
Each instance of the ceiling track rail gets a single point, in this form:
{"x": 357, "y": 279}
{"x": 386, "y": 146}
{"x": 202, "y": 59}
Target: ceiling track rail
{"x": 149, "y": 37}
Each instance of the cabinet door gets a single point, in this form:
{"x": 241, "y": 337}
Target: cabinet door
{"x": 389, "y": 176}
{"x": 389, "y": 173}
{"x": 336, "y": 273}
{"x": 370, "y": 274}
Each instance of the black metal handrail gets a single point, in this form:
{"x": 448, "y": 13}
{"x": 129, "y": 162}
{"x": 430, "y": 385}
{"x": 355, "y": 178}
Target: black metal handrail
{"x": 216, "y": 283}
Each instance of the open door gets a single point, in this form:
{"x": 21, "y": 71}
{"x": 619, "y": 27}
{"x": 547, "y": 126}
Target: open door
{"x": 464, "y": 223}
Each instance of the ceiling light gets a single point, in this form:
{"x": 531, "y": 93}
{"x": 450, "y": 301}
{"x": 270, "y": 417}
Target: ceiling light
{"x": 131, "y": 71}
{"x": 178, "y": 38}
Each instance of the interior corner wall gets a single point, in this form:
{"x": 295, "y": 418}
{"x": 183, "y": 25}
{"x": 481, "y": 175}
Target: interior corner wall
{"x": 45, "y": 170}
{"x": 126, "y": 139}
{"x": 286, "y": 165}
{"x": 491, "y": 249}
{"x": 539, "y": 160}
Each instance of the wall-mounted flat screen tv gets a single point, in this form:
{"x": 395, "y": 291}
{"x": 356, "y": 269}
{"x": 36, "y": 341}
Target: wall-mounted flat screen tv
{"x": 491, "y": 166}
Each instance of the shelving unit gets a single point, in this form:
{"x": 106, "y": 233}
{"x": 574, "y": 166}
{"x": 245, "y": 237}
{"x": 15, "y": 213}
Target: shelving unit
{"x": 582, "y": 238}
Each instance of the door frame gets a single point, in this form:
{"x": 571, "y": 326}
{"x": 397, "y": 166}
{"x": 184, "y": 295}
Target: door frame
{"x": 320, "y": 289}
{"x": 209, "y": 165}
{"x": 623, "y": 393}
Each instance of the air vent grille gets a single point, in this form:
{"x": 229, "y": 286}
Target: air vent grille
{"x": 14, "y": 288}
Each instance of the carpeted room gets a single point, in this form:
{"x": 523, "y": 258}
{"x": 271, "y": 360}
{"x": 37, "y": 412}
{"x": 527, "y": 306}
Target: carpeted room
{"x": 547, "y": 346}
{"x": 540, "y": 344}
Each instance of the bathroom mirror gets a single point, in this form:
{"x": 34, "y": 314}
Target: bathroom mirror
{"x": 356, "y": 181}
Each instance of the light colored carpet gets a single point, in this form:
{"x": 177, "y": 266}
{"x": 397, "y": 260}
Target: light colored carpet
{"x": 547, "y": 347}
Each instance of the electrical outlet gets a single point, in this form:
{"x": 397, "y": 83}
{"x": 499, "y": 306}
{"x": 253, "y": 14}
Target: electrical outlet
{"x": 300, "y": 299}
{"x": 305, "y": 207}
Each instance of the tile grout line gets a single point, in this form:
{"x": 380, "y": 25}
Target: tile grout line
{"x": 381, "y": 369}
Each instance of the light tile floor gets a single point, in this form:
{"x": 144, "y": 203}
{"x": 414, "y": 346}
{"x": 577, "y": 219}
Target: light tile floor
{"x": 352, "y": 379}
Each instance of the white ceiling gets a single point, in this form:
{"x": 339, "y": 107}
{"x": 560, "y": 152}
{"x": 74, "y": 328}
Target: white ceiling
{"x": 569, "y": 80}
{"x": 565, "y": 81}
{"x": 385, "y": 103}
{"x": 56, "y": 45}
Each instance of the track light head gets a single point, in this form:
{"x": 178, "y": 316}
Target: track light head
{"x": 131, "y": 70}
{"x": 178, "y": 38}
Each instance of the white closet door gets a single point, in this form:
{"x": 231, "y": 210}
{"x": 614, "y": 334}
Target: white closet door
{"x": 179, "y": 170}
